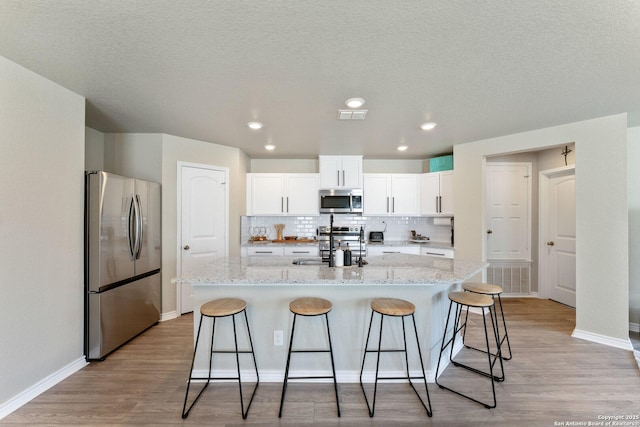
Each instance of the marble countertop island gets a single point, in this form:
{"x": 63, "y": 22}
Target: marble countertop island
{"x": 388, "y": 269}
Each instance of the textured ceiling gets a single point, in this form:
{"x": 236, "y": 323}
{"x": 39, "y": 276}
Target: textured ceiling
{"x": 203, "y": 69}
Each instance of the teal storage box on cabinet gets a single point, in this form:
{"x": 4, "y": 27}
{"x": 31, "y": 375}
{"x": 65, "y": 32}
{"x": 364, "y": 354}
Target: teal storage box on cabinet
{"x": 442, "y": 163}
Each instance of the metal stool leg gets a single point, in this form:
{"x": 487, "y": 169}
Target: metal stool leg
{"x": 286, "y": 371}
{"x": 408, "y": 377}
{"x": 504, "y": 338}
{"x": 457, "y": 328}
{"x": 494, "y": 325}
{"x": 209, "y": 378}
{"x": 185, "y": 412}
{"x": 333, "y": 366}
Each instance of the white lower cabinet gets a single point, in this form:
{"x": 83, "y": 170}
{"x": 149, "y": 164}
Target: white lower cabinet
{"x": 381, "y": 250}
{"x": 302, "y": 251}
{"x": 265, "y": 251}
{"x": 436, "y": 252}
{"x": 309, "y": 251}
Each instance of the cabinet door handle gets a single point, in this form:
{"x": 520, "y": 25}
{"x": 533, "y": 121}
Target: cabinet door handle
{"x": 338, "y": 172}
{"x": 387, "y": 204}
{"x": 343, "y": 181}
{"x": 439, "y": 204}
{"x": 287, "y": 204}
{"x": 434, "y": 254}
{"x": 264, "y": 252}
{"x": 393, "y": 205}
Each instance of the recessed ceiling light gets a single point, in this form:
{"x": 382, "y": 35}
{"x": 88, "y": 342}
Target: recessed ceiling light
{"x": 270, "y": 147}
{"x": 402, "y": 147}
{"x": 255, "y": 125}
{"x": 354, "y": 102}
{"x": 428, "y": 126}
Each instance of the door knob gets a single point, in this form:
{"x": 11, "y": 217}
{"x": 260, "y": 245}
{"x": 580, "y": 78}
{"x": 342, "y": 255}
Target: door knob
{"x": 489, "y": 231}
{"x": 186, "y": 247}
{"x": 551, "y": 243}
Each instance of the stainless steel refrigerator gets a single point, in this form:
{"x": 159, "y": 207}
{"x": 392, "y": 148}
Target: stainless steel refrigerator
{"x": 122, "y": 260}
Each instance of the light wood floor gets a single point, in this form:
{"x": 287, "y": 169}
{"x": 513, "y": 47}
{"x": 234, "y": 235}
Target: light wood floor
{"x": 552, "y": 378}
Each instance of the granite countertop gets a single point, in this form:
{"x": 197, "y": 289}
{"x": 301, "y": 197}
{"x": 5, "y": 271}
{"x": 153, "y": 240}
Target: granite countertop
{"x": 386, "y": 269}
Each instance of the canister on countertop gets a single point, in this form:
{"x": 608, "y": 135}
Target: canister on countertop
{"x": 347, "y": 256}
{"x": 339, "y": 256}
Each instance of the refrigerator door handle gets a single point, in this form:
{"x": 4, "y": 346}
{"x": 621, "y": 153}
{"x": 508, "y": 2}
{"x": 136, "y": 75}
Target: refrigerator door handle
{"x": 138, "y": 213}
{"x": 131, "y": 228}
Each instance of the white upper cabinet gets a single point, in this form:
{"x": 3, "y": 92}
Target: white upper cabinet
{"x": 340, "y": 171}
{"x": 437, "y": 193}
{"x": 282, "y": 194}
{"x": 391, "y": 194}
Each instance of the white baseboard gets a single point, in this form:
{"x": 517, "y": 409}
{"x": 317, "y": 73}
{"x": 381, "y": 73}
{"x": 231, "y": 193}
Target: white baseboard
{"x": 603, "y": 339}
{"x": 169, "y": 315}
{"x": 32, "y": 392}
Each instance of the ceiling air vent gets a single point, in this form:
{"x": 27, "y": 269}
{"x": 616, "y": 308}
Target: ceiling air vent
{"x": 352, "y": 114}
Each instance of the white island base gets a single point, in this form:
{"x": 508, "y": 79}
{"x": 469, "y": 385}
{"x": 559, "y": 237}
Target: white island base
{"x": 269, "y": 285}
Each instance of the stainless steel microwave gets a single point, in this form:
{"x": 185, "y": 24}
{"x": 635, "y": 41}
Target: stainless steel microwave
{"x": 341, "y": 201}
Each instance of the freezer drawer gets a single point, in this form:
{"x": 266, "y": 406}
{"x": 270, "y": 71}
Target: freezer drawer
{"x": 117, "y": 315}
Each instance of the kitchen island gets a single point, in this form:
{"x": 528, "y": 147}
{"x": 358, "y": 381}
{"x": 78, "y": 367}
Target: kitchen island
{"x": 269, "y": 284}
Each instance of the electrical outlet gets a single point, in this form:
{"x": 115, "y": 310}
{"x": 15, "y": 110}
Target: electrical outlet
{"x": 278, "y": 338}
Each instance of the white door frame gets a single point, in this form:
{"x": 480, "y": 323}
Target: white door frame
{"x": 543, "y": 206}
{"x": 180, "y": 165}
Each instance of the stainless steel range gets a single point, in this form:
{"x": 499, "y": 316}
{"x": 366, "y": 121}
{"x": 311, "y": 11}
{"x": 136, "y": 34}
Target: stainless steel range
{"x": 341, "y": 235}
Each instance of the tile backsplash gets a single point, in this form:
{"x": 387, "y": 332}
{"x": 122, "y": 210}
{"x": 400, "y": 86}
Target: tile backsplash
{"x": 395, "y": 228}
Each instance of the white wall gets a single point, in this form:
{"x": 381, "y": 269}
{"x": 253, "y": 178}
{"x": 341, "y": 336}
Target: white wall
{"x": 602, "y": 266}
{"x": 138, "y": 155}
{"x": 93, "y": 150}
{"x": 41, "y": 237}
{"x": 633, "y": 156}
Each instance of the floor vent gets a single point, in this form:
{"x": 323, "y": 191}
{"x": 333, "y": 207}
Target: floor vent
{"x": 513, "y": 276}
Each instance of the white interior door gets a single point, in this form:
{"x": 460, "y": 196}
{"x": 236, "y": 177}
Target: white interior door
{"x": 203, "y": 219}
{"x": 508, "y": 209}
{"x": 558, "y": 236}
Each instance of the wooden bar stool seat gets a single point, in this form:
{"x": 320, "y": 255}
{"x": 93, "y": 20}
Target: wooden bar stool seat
{"x": 493, "y": 291}
{"x": 216, "y": 309}
{"x": 309, "y": 306}
{"x": 395, "y": 308}
{"x": 468, "y": 300}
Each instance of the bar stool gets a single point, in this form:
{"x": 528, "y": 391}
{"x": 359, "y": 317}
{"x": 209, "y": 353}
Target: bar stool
{"x": 309, "y": 306}
{"x": 394, "y": 308}
{"x": 215, "y": 309}
{"x": 492, "y": 291}
{"x": 468, "y": 300}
